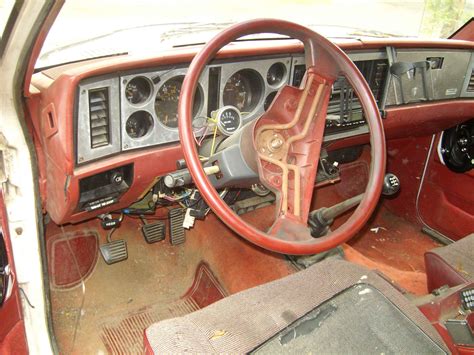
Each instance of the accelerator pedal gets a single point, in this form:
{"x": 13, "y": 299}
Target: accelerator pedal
{"x": 114, "y": 251}
{"x": 154, "y": 232}
{"x": 177, "y": 231}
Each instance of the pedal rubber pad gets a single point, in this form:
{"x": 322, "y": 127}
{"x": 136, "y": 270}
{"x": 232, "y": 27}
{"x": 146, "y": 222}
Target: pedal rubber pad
{"x": 114, "y": 251}
{"x": 154, "y": 232}
{"x": 177, "y": 231}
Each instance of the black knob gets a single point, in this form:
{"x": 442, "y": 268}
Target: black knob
{"x": 391, "y": 185}
{"x": 116, "y": 178}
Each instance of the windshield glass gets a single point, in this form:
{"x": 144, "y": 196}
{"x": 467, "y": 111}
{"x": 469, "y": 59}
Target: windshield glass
{"x": 88, "y": 29}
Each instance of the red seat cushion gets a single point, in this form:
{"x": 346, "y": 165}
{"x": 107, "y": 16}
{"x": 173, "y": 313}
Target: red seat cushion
{"x": 451, "y": 265}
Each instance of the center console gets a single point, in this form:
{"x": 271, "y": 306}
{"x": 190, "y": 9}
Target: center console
{"x": 451, "y": 311}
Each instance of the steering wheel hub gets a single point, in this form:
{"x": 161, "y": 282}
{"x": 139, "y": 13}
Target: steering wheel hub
{"x": 271, "y": 143}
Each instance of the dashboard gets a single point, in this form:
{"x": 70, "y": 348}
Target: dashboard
{"x": 108, "y": 128}
{"x": 138, "y": 109}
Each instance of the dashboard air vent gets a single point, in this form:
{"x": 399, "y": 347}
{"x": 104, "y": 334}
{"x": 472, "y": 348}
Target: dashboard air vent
{"x": 344, "y": 103}
{"x": 470, "y": 86}
{"x": 99, "y": 117}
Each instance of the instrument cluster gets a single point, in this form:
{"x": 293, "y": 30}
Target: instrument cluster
{"x": 149, "y": 100}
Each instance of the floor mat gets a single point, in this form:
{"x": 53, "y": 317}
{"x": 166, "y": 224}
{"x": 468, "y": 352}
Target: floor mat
{"x": 65, "y": 271}
{"x": 124, "y": 335}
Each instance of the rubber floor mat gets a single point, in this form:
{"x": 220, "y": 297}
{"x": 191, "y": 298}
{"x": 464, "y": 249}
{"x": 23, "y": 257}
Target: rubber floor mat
{"x": 124, "y": 334}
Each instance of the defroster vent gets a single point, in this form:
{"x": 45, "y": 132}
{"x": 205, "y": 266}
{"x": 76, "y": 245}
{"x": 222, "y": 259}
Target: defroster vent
{"x": 470, "y": 86}
{"x": 99, "y": 116}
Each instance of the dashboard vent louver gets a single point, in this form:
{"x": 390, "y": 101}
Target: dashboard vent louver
{"x": 99, "y": 117}
{"x": 343, "y": 102}
{"x": 470, "y": 86}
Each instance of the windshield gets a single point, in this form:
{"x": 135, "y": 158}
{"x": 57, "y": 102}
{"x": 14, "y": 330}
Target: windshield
{"x": 88, "y": 29}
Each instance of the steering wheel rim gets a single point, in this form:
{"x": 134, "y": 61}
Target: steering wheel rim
{"x": 332, "y": 61}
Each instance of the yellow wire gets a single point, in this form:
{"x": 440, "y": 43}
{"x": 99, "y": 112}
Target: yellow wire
{"x": 213, "y": 141}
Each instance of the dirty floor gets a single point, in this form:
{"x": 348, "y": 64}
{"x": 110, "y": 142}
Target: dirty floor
{"x": 115, "y": 303}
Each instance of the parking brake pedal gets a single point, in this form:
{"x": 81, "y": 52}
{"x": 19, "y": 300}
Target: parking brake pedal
{"x": 114, "y": 251}
{"x": 177, "y": 231}
{"x": 153, "y": 232}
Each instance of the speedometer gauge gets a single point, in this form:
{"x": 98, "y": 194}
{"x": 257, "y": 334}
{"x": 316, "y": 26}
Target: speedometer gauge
{"x": 166, "y": 102}
{"x": 243, "y": 90}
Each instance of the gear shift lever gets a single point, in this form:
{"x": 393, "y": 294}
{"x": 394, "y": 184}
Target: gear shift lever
{"x": 320, "y": 220}
{"x": 391, "y": 185}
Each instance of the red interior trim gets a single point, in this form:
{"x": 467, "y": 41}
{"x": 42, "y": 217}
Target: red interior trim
{"x": 62, "y": 179}
{"x": 56, "y": 89}
{"x": 445, "y": 194}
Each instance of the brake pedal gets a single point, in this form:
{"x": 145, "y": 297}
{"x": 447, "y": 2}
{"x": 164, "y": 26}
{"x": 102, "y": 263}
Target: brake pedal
{"x": 154, "y": 232}
{"x": 114, "y": 251}
{"x": 177, "y": 231}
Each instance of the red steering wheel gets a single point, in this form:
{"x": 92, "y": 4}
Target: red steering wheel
{"x": 287, "y": 141}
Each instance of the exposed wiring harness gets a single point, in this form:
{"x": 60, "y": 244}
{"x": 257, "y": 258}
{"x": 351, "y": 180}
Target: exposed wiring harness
{"x": 203, "y": 131}
{"x": 210, "y": 124}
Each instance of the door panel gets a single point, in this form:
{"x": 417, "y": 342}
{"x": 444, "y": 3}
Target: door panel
{"x": 446, "y": 199}
{"x": 12, "y": 333}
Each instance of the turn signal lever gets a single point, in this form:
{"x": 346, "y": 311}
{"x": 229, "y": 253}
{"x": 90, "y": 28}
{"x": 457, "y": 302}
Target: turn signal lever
{"x": 320, "y": 220}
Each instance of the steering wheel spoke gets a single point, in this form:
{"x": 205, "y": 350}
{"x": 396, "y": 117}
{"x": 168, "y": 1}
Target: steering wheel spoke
{"x": 288, "y": 141}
